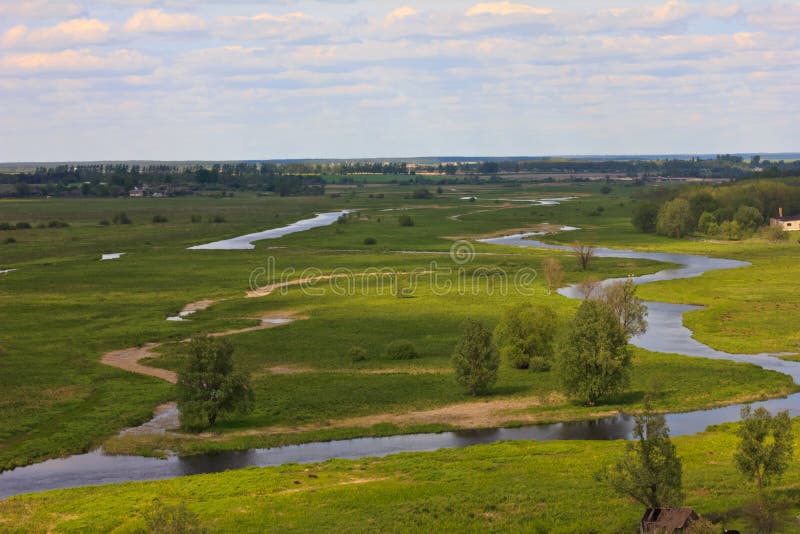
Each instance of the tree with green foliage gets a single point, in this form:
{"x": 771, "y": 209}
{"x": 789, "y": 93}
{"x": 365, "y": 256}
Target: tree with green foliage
{"x": 650, "y": 470}
{"x": 593, "y": 359}
{"x": 644, "y": 217}
{"x": 675, "y": 218}
{"x": 766, "y": 445}
{"x": 748, "y": 218}
{"x": 525, "y": 336}
{"x": 620, "y": 296}
{"x": 405, "y": 220}
{"x": 707, "y": 223}
{"x": 208, "y": 385}
{"x": 475, "y": 359}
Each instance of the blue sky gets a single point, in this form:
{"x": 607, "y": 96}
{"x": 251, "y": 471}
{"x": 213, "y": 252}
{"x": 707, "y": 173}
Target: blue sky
{"x": 188, "y": 79}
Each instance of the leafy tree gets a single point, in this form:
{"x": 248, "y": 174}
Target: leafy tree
{"x": 593, "y": 358}
{"x": 675, "y": 218}
{"x": 644, "y": 217}
{"x": 475, "y": 359}
{"x": 405, "y": 220}
{"x": 730, "y": 230}
{"x": 525, "y": 336}
{"x": 583, "y": 253}
{"x": 748, "y": 218}
{"x": 650, "y": 470}
{"x": 209, "y": 386}
{"x": 702, "y": 202}
{"x": 620, "y": 296}
{"x": 553, "y": 272}
{"x": 706, "y": 222}
{"x": 121, "y": 218}
{"x": 766, "y": 445}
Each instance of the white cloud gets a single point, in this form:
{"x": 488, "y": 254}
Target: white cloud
{"x": 289, "y": 27}
{"x": 156, "y": 21}
{"x": 401, "y": 13}
{"x": 76, "y": 61}
{"x": 37, "y": 9}
{"x": 69, "y": 33}
{"x": 506, "y": 8}
{"x": 723, "y": 11}
{"x": 781, "y": 17}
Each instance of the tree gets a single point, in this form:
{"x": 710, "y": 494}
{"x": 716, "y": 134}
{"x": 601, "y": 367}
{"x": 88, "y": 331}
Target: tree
{"x": 208, "y": 385}
{"x": 748, "y": 218}
{"x": 525, "y": 336}
{"x": 589, "y": 287}
{"x": 766, "y": 445}
{"x": 475, "y": 359}
{"x": 554, "y": 273}
{"x": 675, "y": 218}
{"x": 593, "y": 359}
{"x": 707, "y": 222}
{"x": 620, "y": 296}
{"x": 644, "y": 217}
{"x": 650, "y": 470}
{"x": 583, "y": 253}
{"x": 405, "y": 220}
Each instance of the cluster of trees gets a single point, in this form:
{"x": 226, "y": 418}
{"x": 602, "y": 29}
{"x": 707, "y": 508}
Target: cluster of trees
{"x": 589, "y": 352}
{"x": 729, "y": 211}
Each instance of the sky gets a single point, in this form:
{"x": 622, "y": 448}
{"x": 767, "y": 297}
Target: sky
{"x": 199, "y": 79}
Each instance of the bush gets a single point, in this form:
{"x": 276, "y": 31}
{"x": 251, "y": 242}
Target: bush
{"x": 104, "y": 222}
{"x": 159, "y": 219}
{"x": 605, "y": 189}
{"x": 775, "y": 234}
{"x": 370, "y": 241}
{"x": 23, "y": 226}
{"x": 357, "y": 354}
{"x": 10, "y": 240}
{"x": 121, "y": 218}
{"x": 6, "y": 226}
{"x": 644, "y": 216}
{"x": 57, "y": 224}
{"x": 475, "y": 359}
{"x": 420, "y": 194}
{"x": 401, "y": 349}
{"x": 196, "y": 219}
{"x": 217, "y": 219}
{"x": 675, "y": 218}
{"x": 405, "y": 220}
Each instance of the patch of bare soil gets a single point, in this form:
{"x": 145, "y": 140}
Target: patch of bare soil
{"x": 505, "y": 206}
{"x": 128, "y": 360}
{"x": 200, "y": 305}
{"x": 165, "y": 417}
{"x": 542, "y": 227}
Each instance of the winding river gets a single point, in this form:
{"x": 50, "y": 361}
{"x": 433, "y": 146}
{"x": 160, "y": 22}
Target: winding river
{"x": 666, "y": 333}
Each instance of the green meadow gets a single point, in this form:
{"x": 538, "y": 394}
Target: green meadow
{"x": 63, "y": 309}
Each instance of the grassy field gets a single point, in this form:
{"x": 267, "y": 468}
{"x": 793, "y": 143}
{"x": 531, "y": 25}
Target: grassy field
{"x": 513, "y": 486}
{"x": 63, "y": 309}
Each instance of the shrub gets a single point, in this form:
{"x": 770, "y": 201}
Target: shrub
{"x": 6, "y": 226}
{"x": 475, "y": 359}
{"x": 775, "y": 234}
{"x": 217, "y": 219}
{"x": 343, "y": 218}
{"x": 196, "y": 219}
{"x": 121, "y": 218}
{"x": 158, "y": 219}
{"x": 644, "y": 216}
{"x": 104, "y": 222}
{"x": 370, "y": 241}
{"x": 605, "y": 189}
{"x": 401, "y": 349}
{"x": 23, "y": 226}
{"x": 10, "y": 240}
{"x": 57, "y": 224}
{"x": 357, "y": 354}
{"x": 421, "y": 194}
{"x": 405, "y": 220}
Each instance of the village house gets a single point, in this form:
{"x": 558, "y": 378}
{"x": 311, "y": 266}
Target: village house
{"x": 789, "y": 224}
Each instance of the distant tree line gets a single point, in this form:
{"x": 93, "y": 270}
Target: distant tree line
{"x": 727, "y": 211}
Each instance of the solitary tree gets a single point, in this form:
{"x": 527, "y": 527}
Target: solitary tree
{"x": 593, "y": 358}
{"x": 650, "y": 470}
{"x": 208, "y": 386}
{"x": 525, "y": 336}
{"x": 583, "y": 253}
{"x": 554, "y": 273}
{"x": 475, "y": 359}
{"x": 620, "y": 296}
{"x": 644, "y": 216}
{"x": 766, "y": 445}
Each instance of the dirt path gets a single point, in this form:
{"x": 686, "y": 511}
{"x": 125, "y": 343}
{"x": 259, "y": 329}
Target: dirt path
{"x": 458, "y": 216}
{"x": 128, "y": 359}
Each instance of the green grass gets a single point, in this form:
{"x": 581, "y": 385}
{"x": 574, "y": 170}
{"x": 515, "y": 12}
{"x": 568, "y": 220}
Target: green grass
{"x": 63, "y": 309}
{"x": 513, "y": 486}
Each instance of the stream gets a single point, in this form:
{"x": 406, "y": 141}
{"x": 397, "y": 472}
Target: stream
{"x": 665, "y": 333}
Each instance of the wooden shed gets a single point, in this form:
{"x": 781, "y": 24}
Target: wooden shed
{"x": 667, "y": 520}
